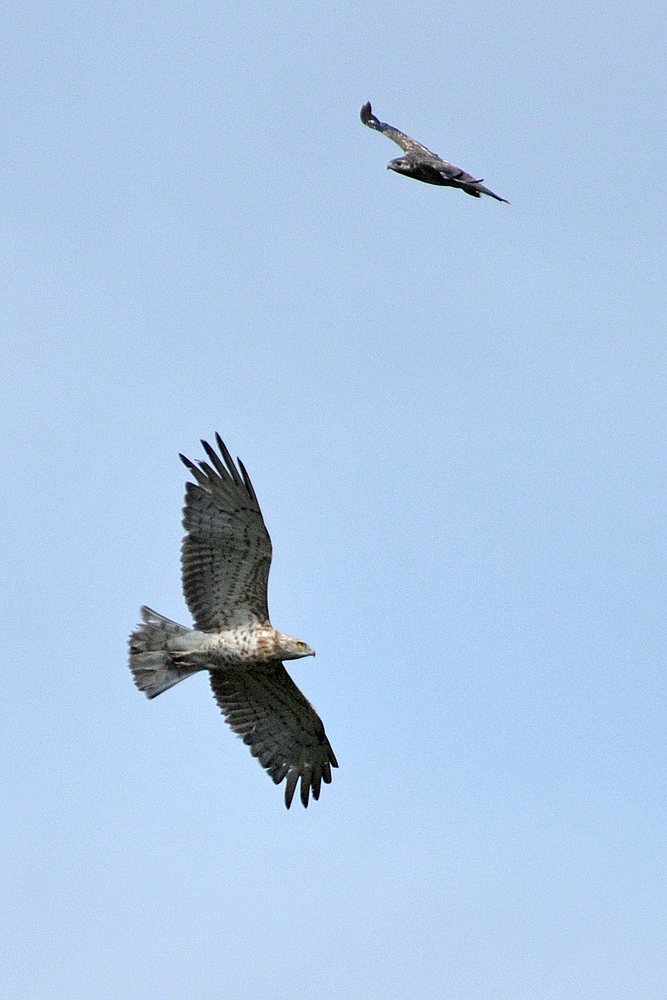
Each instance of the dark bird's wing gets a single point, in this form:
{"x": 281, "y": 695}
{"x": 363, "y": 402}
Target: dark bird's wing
{"x": 407, "y": 144}
{"x": 265, "y": 707}
{"x": 226, "y": 553}
{"x": 456, "y": 177}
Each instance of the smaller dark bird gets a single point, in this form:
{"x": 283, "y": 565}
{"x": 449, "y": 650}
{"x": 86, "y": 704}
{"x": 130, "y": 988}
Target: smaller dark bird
{"x": 420, "y": 163}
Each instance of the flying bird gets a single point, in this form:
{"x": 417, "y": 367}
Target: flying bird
{"x": 420, "y": 163}
{"x": 225, "y": 561}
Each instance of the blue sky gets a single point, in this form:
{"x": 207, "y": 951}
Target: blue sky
{"x": 453, "y": 412}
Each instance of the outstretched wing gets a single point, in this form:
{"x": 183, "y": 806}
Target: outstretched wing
{"x": 455, "y": 177}
{"x": 478, "y": 189}
{"x": 407, "y": 144}
{"x": 265, "y": 707}
{"x": 226, "y": 553}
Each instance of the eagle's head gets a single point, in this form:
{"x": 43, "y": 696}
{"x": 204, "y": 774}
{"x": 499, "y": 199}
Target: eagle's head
{"x": 293, "y": 649}
{"x": 402, "y": 165}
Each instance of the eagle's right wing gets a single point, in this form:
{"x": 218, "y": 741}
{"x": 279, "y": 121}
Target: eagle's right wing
{"x": 264, "y": 706}
{"x": 407, "y": 144}
{"x": 461, "y": 179}
{"x": 226, "y": 553}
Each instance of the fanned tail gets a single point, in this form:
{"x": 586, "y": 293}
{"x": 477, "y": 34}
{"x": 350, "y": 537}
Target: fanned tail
{"x": 151, "y": 662}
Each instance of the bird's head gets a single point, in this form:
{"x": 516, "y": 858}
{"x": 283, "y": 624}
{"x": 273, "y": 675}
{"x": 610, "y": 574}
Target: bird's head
{"x": 401, "y": 165}
{"x": 293, "y": 649}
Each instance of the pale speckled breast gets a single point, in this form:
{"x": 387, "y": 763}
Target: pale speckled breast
{"x": 243, "y": 645}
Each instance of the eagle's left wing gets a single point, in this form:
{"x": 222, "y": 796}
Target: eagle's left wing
{"x": 407, "y": 144}
{"x": 226, "y": 553}
{"x": 265, "y": 707}
{"x": 456, "y": 177}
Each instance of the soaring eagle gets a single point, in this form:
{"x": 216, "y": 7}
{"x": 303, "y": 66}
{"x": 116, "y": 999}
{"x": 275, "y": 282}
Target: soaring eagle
{"x": 225, "y": 559}
{"x": 420, "y": 163}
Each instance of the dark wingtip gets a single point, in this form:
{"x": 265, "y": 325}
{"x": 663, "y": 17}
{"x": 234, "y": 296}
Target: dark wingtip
{"x": 229, "y": 461}
{"x": 366, "y": 113}
{"x": 215, "y": 459}
{"x": 497, "y": 197}
{"x": 246, "y": 478}
{"x": 290, "y": 785}
{"x": 491, "y": 194}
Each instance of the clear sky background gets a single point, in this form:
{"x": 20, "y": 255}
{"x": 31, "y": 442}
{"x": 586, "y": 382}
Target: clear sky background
{"x": 453, "y": 412}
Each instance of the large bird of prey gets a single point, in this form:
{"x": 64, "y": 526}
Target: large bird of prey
{"x": 225, "y": 558}
{"x": 420, "y": 163}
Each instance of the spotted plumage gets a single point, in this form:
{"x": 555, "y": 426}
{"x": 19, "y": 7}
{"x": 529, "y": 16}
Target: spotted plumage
{"x": 225, "y": 558}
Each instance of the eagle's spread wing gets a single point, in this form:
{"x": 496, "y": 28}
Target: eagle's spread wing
{"x": 455, "y": 177}
{"x": 407, "y": 144}
{"x": 281, "y": 727}
{"x": 226, "y": 553}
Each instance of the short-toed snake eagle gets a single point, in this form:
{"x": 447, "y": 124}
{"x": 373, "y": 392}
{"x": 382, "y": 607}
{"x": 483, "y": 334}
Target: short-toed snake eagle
{"x": 226, "y": 557}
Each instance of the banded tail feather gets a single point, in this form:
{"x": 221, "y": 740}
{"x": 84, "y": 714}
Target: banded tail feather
{"x": 151, "y": 662}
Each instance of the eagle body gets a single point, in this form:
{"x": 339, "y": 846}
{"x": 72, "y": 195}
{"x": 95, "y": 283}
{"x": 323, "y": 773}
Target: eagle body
{"x": 412, "y": 166}
{"x": 230, "y": 648}
{"x": 226, "y": 557}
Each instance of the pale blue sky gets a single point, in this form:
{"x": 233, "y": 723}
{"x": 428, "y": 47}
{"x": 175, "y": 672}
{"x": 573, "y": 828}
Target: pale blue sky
{"x": 453, "y": 412}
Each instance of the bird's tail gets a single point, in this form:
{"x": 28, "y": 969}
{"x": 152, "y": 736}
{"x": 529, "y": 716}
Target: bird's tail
{"x": 151, "y": 661}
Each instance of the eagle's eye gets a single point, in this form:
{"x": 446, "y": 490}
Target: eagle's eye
{"x": 299, "y": 645}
